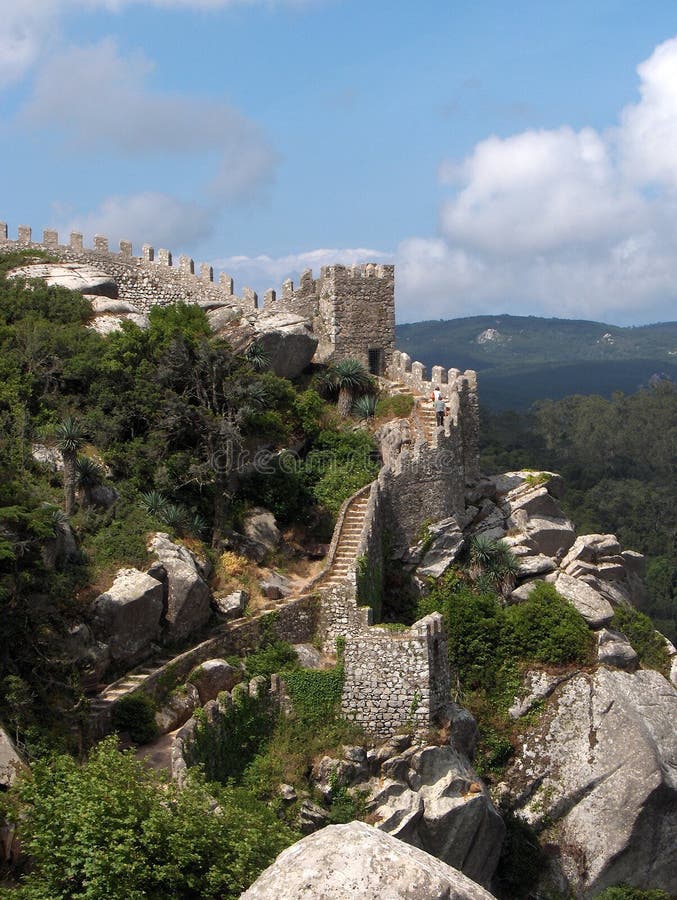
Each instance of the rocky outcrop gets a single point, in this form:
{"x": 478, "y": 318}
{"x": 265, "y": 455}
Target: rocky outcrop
{"x": 186, "y": 595}
{"x": 74, "y": 276}
{"x": 179, "y": 707}
{"x": 287, "y": 339}
{"x": 11, "y": 763}
{"x": 358, "y": 862}
{"x": 429, "y": 797}
{"x": 597, "y": 776}
{"x": 261, "y": 529}
{"x": 127, "y": 615}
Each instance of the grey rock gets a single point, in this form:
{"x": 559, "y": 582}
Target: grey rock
{"x": 599, "y": 770}
{"x": 179, "y": 707}
{"x": 595, "y": 609}
{"x": 287, "y": 793}
{"x": 232, "y": 606}
{"x": 537, "y": 687}
{"x": 613, "y": 649}
{"x": 530, "y": 566}
{"x": 113, "y": 306}
{"x": 275, "y": 586}
{"x": 286, "y": 338}
{"x": 551, "y": 536}
{"x": 127, "y": 615}
{"x": 309, "y": 657}
{"x": 11, "y": 764}
{"x": 105, "y": 323}
{"x": 213, "y": 676}
{"x": 592, "y": 548}
{"x": 358, "y": 862}
{"x": 74, "y": 276}
{"x": 445, "y": 547}
{"x": 522, "y": 592}
{"x": 48, "y": 456}
{"x": 464, "y": 731}
{"x": 87, "y": 653}
{"x": 187, "y": 594}
{"x": 311, "y": 818}
{"x": 260, "y": 527}
{"x": 534, "y": 501}
{"x": 222, "y": 316}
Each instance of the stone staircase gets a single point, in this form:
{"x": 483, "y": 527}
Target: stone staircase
{"x": 103, "y": 701}
{"x": 348, "y": 542}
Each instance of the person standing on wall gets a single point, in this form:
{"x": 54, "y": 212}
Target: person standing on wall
{"x": 439, "y": 405}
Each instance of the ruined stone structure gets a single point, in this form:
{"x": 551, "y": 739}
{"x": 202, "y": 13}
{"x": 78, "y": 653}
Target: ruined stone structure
{"x": 351, "y": 309}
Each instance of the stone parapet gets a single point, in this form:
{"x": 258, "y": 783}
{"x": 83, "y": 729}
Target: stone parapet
{"x": 144, "y": 281}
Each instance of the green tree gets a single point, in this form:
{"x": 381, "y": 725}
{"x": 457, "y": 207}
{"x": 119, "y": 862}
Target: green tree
{"x": 110, "y": 828}
{"x": 70, "y": 437}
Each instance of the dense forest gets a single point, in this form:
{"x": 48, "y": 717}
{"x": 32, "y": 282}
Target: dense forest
{"x": 523, "y": 359}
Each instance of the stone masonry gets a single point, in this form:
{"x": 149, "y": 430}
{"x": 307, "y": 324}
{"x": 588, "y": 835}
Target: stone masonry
{"x": 351, "y": 309}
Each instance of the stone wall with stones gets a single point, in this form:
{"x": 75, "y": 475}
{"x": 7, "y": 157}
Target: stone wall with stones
{"x": 352, "y": 310}
{"x": 458, "y": 388}
{"x": 397, "y": 681}
{"x": 148, "y": 280}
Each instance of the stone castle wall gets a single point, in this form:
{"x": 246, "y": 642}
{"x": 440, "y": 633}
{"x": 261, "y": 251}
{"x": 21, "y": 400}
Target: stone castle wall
{"x": 394, "y": 680}
{"x": 352, "y": 309}
{"x": 148, "y": 280}
{"x": 459, "y": 390}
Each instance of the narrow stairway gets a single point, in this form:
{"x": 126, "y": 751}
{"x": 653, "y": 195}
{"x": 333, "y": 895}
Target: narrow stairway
{"x": 117, "y": 689}
{"x": 348, "y": 542}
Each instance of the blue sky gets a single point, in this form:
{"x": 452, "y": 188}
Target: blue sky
{"x": 508, "y": 157}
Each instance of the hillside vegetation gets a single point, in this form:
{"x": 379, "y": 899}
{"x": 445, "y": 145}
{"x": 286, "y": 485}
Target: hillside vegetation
{"x": 522, "y": 359}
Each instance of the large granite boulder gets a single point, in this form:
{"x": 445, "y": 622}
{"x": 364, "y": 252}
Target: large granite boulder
{"x": 595, "y": 609}
{"x": 597, "y": 775}
{"x": 433, "y": 799}
{"x": 260, "y": 527}
{"x": 445, "y": 542}
{"x": 213, "y": 676}
{"x": 286, "y": 338}
{"x": 11, "y": 763}
{"x": 186, "y": 595}
{"x": 178, "y": 708}
{"x": 358, "y": 862}
{"x": 74, "y": 276}
{"x": 127, "y": 615}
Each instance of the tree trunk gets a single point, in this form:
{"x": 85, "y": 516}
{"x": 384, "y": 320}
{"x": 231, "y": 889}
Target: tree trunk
{"x": 69, "y": 479}
{"x": 345, "y": 402}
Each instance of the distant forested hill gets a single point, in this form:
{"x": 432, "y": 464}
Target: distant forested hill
{"x": 521, "y": 359}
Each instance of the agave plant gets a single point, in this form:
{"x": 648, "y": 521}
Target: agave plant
{"x": 88, "y": 475}
{"x": 351, "y": 379}
{"x": 175, "y": 516}
{"x": 196, "y": 525}
{"x": 491, "y": 562}
{"x": 70, "y": 437}
{"x": 365, "y": 407}
{"x": 257, "y": 356}
{"x": 154, "y": 503}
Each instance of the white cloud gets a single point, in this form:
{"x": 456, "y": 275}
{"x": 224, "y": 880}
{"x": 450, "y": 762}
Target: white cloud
{"x": 263, "y": 272}
{"x": 28, "y": 29}
{"x": 97, "y": 99}
{"x": 144, "y": 218}
{"x": 559, "y": 222}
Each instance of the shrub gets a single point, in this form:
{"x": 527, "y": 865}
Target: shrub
{"x": 645, "y": 640}
{"x": 277, "y": 656}
{"x": 315, "y": 694}
{"x": 546, "y": 628}
{"x": 626, "y": 892}
{"x": 135, "y": 715}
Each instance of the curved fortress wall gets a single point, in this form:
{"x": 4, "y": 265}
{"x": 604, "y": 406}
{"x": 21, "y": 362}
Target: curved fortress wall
{"x": 351, "y": 308}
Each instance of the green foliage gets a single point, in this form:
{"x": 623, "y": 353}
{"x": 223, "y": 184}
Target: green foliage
{"x": 394, "y": 406}
{"x": 117, "y": 537}
{"x": 272, "y": 657}
{"x": 627, "y": 892}
{"x": 340, "y": 463}
{"x": 645, "y": 640}
{"x": 225, "y": 748}
{"x": 134, "y": 714}
{"x": 110, "y": 829}
{"x": 365, "y": 407}
{"x": 315, "y": 693}
{"x": 546, "y": 628}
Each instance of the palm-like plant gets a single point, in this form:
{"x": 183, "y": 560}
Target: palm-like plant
{"x": 88, "y": 475}
{"x": 491, "y": 562}
{"x": 351, "y": 379}
{"x": 257, "y": 357}
{"x": 365, "y": 406}
{"x": 70, "y": 437}
{"x": 154, "y": 503}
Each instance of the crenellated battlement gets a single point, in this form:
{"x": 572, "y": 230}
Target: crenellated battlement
{"x": 150, "y": 279}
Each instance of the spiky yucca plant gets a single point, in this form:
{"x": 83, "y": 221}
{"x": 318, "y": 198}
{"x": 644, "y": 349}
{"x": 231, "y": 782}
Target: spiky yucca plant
{"x": 70, "y": 437}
